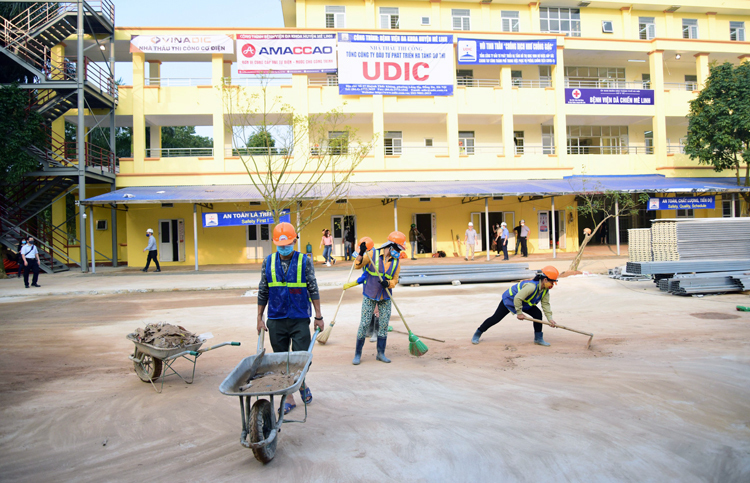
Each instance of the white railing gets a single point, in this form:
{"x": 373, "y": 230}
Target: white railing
{"x": 610, "y": 150}
{"x": 260, "y": 151}
{"x": 533, "y": 149}
{"x": 675, "y": 149}
{"x": 531, "y": 83}
{"x": 178, "y": 81}
{"x": 331, "y": 81}
{"x": 682, "y": 86}
{"x": 259, "y": 80}
{"x": 472, "y": 82}
{"x": 488, "y": 149}
{"x": 409, "y": 150}
{"x": 179, "y": 152}
{"x": 613, "y": 84}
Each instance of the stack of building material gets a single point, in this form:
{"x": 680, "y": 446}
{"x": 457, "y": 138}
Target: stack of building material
{"x": 464, "y": 273}
{"x": 620, "y": 273}
{"x": 703, "y": 283}
{"x": 664, "y": 241}
{"x": 639, "y": 245}
{"x": 713, "y": 238}
{"x": 688, "y": 266}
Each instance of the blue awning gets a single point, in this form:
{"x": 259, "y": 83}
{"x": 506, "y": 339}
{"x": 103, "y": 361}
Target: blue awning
{"x": 429, "y": 189}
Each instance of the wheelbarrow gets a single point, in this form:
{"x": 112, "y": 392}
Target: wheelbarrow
{"x": 151, "y": 362}
{"x": 260, "y": 424}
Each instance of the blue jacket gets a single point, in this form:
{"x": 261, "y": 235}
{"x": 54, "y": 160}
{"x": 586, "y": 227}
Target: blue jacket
{"x": 287, "y": 295}
{"x": 535, "y": 298}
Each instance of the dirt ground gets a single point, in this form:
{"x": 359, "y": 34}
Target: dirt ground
{"x": 664, "y": 394}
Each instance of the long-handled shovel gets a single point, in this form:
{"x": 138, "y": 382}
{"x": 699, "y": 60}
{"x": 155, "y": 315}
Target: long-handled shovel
{"x": 558, "y": 326}
{"x": 323, "y": 337}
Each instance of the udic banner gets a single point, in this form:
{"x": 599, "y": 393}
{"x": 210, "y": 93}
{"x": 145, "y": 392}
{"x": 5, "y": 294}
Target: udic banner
{"x": 395, "y": 65}
{"x": 182, "y": 44}
{"x": 286, "y": 53}
{"x": 240, "y": 218}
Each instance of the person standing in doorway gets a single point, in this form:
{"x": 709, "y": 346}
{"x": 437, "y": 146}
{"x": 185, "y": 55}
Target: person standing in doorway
{"x": 30, "y": 257}
{"x": 470, "y": 239}
{"x": 290, "y": 290}
{"x": 327, "y": 244}
{"x": 517, "y": 231}
{"x": 151, "y": 249}
{"x": 348, "y": 243}
{"x": 503, "y": 243}
{"x": 415, "y": 237}
{"x": 523, "y": 238}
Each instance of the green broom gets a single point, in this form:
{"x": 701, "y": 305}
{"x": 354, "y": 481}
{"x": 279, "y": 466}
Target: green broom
{"x": 323, "y": 337}
{"x": 416, "y": 346}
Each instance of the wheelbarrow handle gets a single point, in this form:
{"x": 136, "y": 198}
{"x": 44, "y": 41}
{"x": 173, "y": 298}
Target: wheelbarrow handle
{"x": 201, "y": 351}
{"x": 261, "y": 340}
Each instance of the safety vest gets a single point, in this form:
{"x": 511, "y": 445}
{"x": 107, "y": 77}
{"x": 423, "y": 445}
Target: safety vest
{"x": 287, "y": 295}
{"x": 371, "y": 287}
{"x": 532, "y": 300}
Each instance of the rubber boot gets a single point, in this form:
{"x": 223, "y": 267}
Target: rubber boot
{"x": 539, "y": 340}
{"x": 381, "y": 350}
{"x": 477, "y": 335}
{"x": 358, "y": 351}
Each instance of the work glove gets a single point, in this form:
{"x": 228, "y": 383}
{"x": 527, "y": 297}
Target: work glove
{"x": 384, "y": 284}
{"x": 350, "y": 285}
{"x": 362, "y": 249}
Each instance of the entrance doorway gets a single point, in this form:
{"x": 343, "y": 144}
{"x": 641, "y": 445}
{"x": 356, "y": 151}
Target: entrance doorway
{"x": 258, "y": 242}
{"x": 496, "y": 217}
{"x": 172, "y": 240}
{"x": 339, "y": 225}
{"x": 426, "y": 225}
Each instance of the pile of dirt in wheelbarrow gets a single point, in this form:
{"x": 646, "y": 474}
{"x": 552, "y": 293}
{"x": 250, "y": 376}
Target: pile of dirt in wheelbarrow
{"x": 165, "y": 336}
{"x": 271, "y": 381}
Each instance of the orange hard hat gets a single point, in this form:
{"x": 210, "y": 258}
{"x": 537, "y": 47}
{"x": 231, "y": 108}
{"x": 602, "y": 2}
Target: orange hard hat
{"x": 284, "y": 234}
{"x": 551, "y": 273}
{"x": 396, "y": 238}
{"x": 367, "y": 241}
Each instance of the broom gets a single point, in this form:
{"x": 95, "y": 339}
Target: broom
{"x": 558, "y": 326}
{"x": 323, "y": 337}
{"x": 416, "y": 346}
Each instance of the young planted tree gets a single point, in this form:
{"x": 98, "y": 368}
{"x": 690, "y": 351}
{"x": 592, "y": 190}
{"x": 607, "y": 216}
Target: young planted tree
{"x": 298, "y": 162}
{"x": 719, "y": 123}
{"x": 610, "y": 204}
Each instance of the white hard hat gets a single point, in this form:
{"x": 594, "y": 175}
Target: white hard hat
{"x": 504, "y": 224}
{"x": 149, "y": 230}
{"x": 522, "y": 221}
{"x": 471, "y": 224}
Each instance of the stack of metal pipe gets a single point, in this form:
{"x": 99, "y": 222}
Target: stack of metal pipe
{"x": 688, "y": 266}
{"x": 464, "y": 273}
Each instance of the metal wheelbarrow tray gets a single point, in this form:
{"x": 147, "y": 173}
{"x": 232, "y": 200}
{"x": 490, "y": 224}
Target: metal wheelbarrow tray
{"x": 149, "y": 360}
{"x": 260, "y": 424}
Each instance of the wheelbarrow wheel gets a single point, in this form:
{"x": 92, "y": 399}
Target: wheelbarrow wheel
{"x": 261, "y": 425}
{"x": 148, "y": 369}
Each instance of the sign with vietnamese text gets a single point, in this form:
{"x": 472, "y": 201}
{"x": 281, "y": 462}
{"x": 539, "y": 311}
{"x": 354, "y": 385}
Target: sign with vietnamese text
{"x": 617, "y": 97}
{"x": 682, "y": 203}
{"x": 286, "y": 53}
{"x": 507, "y": 52}
{"x": 182, "y": 44}
{"x": 241, "y": 218}
{"x": 395, "y": 65}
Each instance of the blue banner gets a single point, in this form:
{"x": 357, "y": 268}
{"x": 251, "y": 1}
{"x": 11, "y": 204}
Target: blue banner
{"x": 507, "y": 52}
{"x": 241, "y": 218}
{"x": 682, "y": 203}
{"x": 617, "y": 97}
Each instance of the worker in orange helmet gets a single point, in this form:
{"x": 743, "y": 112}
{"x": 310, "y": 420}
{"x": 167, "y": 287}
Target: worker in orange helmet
{"x": 288, "y": 287}
{"x": 524, "y": 297}
{"x": 381, "y": 267}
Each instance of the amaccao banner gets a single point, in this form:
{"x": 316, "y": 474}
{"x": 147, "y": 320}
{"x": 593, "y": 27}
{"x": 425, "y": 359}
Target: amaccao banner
{"x": 182, "y": 44}
{"x": 286, "y": 53}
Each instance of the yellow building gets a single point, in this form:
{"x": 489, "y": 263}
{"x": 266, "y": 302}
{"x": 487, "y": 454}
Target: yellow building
{"x": 514, "y": 138}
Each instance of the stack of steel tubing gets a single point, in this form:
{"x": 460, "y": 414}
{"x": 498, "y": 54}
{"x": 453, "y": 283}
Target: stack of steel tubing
{"x": 712, "y": 282}
{"x": 713, "y": 238}
{"x": 464, "y": 273}
{"x": 639, "y": 245}
{"x": 688, "y": 266}
{"x": 664, "y": 240}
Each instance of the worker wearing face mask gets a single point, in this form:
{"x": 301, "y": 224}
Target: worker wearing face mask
{"x": 381, "y": 266}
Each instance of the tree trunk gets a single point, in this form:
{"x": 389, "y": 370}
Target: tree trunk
{"x": 587, "y": 238}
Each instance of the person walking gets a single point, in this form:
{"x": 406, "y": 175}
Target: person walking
{"x": 496, "y": 232}
{"x": 289, "y": 289}
{"x": 517, "y": 232}
{"x": 151, "y": 248}
{"x": 503, "y": 243}
{"x": 30, "y": 257}
{"x": 348, "y": 243}
{"x": 19, "y": 258}
{"x": 327, "y": 242}
{"x": 524, "y": 235}
{"x": 521, "y": 298}
{"x": 470, "y": 239}
{"x": 415, "y": 237}
{"x": 381, "y": 270}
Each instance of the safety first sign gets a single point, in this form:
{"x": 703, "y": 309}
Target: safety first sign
{"x": 286, "y": 53}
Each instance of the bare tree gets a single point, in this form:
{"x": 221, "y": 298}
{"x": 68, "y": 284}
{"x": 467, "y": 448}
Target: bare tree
{"x": 593, "y": 200}
{"x": 298, "y": 162}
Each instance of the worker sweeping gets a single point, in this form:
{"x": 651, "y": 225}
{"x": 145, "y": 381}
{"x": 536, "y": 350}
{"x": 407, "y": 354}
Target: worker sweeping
{"x": 524, "y": 297}
{"x": 289, "y": 288}
{"x": 381, "y": 267}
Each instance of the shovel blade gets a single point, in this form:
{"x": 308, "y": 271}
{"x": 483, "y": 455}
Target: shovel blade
{"x": 255, "y": 365}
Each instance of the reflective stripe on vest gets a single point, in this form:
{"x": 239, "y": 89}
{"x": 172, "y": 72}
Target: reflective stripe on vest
{"x": 529, "y": 301}
{"x": 275, "y": 283}
{"x": 375, "y": 262}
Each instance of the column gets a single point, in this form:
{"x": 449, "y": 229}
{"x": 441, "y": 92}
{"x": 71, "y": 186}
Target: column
{"x": 113, "y": 230}
{"x": 139, "y": 117}
{"x": 154, "y": 138}
{"x": 711, "y": 31}
{"x": 509, "y": 148}
{"x": 534, "y": 16}
{"x": 559, "y": 122}
{"x": 451, "y": 124}
{"x": 372, "y": 19}
{"x": 701, "y": 68}
{"x": 659, "y": 122}
{"x": 302, "y": 109}
{"x": 301, "y": 15}
{"x": 485, "y": 24}
{"x": 80, "y": 142}
{"x": 378, "y": 129}
{"x": 154, "y": 73}
{"x": 671, "y": 29}
{"x": 627, "y": 26}
{"x": 227, "y": 70}
{"x": 217, "y": 75}
{"x": 435, "y": 20}
{"x": 57, "y": 58}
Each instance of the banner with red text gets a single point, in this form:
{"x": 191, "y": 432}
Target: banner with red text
{"x": 286, "y": 53}
{"x": 396, "y": 65}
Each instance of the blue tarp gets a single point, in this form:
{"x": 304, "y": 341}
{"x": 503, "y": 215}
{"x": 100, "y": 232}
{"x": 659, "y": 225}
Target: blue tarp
{"x": 430, "y": 189}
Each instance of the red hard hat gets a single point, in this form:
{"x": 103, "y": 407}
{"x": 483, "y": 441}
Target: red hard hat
{"x": 284, "y": 234}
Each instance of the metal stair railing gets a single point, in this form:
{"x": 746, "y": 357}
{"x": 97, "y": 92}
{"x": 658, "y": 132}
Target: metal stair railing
{"x": 49, "y": 250}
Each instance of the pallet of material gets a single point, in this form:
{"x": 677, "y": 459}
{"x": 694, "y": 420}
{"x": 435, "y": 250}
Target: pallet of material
{"x": 464, "y": 273}
{"x": 692, "y": 266}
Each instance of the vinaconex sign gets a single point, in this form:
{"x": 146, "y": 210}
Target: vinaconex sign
{"x": 182, "y": 44}
{"x": 241, "y": 218}
{"x": 684, "y": 203}
{"x": 286, "y": 53}
{"x": 618, "y": 97}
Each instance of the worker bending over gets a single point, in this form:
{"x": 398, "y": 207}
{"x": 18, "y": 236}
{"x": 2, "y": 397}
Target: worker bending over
{"x": 524, "y": 297}
{"x": 381, "y": 269}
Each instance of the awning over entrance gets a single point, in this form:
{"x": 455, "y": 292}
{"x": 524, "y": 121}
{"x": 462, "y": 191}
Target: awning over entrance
{"x": 429, "y": 189}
